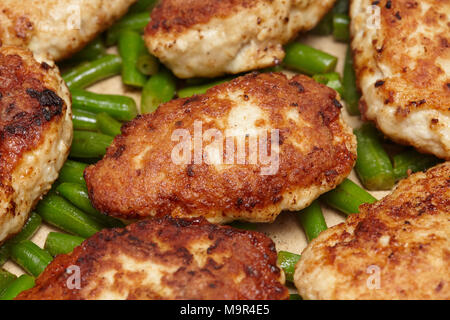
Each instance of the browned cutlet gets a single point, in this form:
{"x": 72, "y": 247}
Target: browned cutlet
{"x": 403, "y": 70}
{"x": 167, "y": 258}
{"x": 35, "y": 133}
{"x": 207, "y": 38}
{"x": 138, "y": 177}
{"x": 397, "y": 248}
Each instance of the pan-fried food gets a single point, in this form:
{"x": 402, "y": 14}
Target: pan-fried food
{"x": 167, "y": 258}
{"x": 397, "y": 248}
{"x": 305, "y": 149}
{"x": 198, "y": 38}
{"x": 36, "y": 132}
{"x": 58, "y": 28}
{"x": 403, "y": 70}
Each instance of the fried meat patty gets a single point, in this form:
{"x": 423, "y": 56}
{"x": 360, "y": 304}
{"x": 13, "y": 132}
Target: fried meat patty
{"x": 403, "y": 70}
{"x": 166, "y": 258}
{"x": 397, "y": 248}
{"x": 315, "y": 150}
{"x": 35, "y": 133}
{"x": 58, "y": 28}
{"x": 207, "y": 38}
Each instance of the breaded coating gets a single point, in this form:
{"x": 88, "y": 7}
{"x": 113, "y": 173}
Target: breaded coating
{"x": 166, "y": 258}
{"x": 57, "y": 28}
{"x": 403, "y": 70}
{"x": 35, "y": 130}
{"x": 397, "y": 248}
{"x": 208, "y": 38}
{"x": 139, "y": 176}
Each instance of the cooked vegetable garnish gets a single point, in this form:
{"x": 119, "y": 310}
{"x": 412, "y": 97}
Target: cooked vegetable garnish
{"x": 22, "y": 283}
{"x": 412, "y": 161}
{"x": 312, "y": 220}
{"x": 93, "y": 51}
{"x": 332, "y": 80}
{"x": 131, "y": 45}
{"x": 91, "y": 72}
{"x": 347, "y": 197}
{"x": 341, "y": 6}
{"x": 77, "y": 194}
{"x": 58, "y": 212}
{"x": 6, "y": 278}
{"x": 72, "y": 171}
{"x": 28, "y": 230}
{"x": 295, "y": 296}
{"x": 351, "y": 94}
{"x": 84, "y": 120}
{"x": 199, "y": 89}
{"x": 147, "y": 64}
{"x": 87, "y": 144}
{"x": 325, "y": 26}
{"x": 61, "y": 243}
{"x": 287, "y": 261}
{"x": 142, "y": 6}
{"x": 308, "y": 60}
{"x": 341, "y": 27}
{"x": 159, "y": 89}
{"x": 108, "y": 125}
{"x": 135, "y": 22}
{"x": 119, "y": 107}
{"x": 373, "y": 164}
{"x": 30, "y": 257}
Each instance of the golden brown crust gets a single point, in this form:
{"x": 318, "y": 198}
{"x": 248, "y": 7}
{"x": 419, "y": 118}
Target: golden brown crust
{"x": 200, "y": 261}
{"x": 316, "y": 153}
{"x": 27, "y": 109}
{"x": 406, "y": 235}
{"x": 403, "y": 71}
{"x": 179, "y": 15}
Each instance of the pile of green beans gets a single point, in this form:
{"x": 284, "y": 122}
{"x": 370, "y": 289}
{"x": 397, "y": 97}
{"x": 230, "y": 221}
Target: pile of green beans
{"x": 160, "y": 88}
{"x": 312, "y": 220}
{"x": 287, "y": 261}
{"x": 61, "y": 243}
{"x": 22, "y": 283}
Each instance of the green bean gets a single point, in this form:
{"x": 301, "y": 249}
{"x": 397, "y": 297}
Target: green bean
{"x": 119, "y": 107}
{"x": 87, "y": 144}
{"x": 312, "y": 220}
{"x": 287, "y": 261}
{"x": 341, "y": 27}
{"x": 108, "y": 125}
{"x": 22, "y": 283}
{"x": 61, "y": 243}
{"x": 89, "y": 73}
{"x": 136, "y": 22}
{"x": 200, "y": 89}
{"x": 78, "y": 195}
{"x": 147, "y": 64}
{"x": 159, "y": 89}
{"x": 30, "y": 257}
{"x": 72, "y": 171}
{"x": 93, "y": 51}
{"x": 325, "y": 26}
{"x": 412, "y": 161}
{"x": 341, "y": 6}
{"x": 373, "y": 164}
{"x": 131, "y": 45}
{"x": 295, "y": 296}
{"x": 142, "y": 5}
{"x": 6, "y": 278}
{"x": 332, "y": 80}
{"x": 347, "y": 197}
{"x": 56, "y": 211}
{"x": 308, "y": 60}
{"x": 84, "y": 120}
{"x": 351, "y": 93}
{"x": 29, "y": 229}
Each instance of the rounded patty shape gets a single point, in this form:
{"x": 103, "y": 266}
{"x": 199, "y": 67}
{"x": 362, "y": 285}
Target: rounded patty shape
{"x": 167, "y": 258}
{"x": 35, "y": 133}
{"x": 227, "y": 179}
